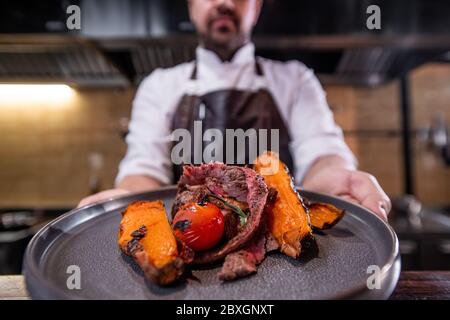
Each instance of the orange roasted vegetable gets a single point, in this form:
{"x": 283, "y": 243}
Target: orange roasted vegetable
{"x": 146, "y": 235}
{"x": 288, "y": 220}
{"x": 324, "y": 216}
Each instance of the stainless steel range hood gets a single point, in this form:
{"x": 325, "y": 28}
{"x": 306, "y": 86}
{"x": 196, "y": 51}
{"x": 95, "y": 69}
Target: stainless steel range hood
{"x": 60, "y": 59}
{"x": 122, "y": 41}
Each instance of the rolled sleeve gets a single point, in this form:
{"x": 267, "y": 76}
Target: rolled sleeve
{"x": 148, "y": 140}
{"x": 313, "y": 130}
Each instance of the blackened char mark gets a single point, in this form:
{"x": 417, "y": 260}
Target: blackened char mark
{"x": 139, "y": 233}
{"x": 182, "y": 225}
{"x": 134, "y": 245}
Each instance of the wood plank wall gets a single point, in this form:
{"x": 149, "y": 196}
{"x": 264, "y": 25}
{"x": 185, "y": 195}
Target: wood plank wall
{"x": 44, "y": 150}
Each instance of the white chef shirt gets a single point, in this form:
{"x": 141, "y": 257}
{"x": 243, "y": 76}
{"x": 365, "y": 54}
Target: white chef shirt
{"x": 295, "y": 89}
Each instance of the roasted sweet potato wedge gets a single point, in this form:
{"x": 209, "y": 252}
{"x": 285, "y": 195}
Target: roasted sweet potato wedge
{"x": 145, "y": 234}
{"x": 288, "y": 221}
{"x": 323, "y": 215}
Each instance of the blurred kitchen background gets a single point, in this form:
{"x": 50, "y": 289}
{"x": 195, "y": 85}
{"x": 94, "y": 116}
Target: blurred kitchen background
{"x": 66, "y": 95}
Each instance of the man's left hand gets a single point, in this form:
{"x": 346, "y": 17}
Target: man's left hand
{"x": 356, "y": 186}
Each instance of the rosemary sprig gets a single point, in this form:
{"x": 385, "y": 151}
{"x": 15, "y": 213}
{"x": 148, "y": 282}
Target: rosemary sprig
{"x": 236, "y": 209}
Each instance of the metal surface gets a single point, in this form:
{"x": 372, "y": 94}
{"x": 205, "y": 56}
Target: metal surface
{"x": 361, "y": 60}
{"x": 87, "y": 237}
{"x": 79, "y": 62}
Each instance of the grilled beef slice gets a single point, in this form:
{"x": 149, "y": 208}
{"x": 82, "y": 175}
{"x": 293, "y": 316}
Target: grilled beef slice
{"x": 242, "y": 184}
{"x": 188, "y": 194}
{"x": 244, "y": 262}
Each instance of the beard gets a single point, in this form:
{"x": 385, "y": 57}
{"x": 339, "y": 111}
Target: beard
{"x": 223, "y": 31}
{"x": 223, "y": 41}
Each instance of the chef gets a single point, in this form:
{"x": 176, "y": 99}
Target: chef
{"x": 227, "y": 86}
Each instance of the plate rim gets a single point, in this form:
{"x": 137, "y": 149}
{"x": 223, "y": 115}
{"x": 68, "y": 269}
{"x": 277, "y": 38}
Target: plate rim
{"x": 30, "y": 267}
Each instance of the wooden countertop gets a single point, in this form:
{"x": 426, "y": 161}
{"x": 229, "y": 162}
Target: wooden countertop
{"x": 13, "y": 288}
{"x": 422, "y": 285}
{"x": 413, "y": 285}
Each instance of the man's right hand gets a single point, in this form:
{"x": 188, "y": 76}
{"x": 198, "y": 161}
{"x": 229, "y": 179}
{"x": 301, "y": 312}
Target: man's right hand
{"x": 107, "y": 194}
{"x": 131, "y": 183}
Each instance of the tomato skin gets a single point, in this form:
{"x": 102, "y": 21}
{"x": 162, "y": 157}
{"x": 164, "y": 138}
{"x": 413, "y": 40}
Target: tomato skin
{"x": 200, "y": 227}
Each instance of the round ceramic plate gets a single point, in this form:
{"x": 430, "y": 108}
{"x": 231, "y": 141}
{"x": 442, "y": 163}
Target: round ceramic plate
{"x": 76, "y": 256}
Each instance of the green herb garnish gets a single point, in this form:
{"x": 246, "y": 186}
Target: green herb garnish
{"x": 236, "y": 209}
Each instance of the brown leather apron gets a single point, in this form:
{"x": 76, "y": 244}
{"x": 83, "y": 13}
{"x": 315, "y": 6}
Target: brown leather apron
{"x": 232, "y": 109}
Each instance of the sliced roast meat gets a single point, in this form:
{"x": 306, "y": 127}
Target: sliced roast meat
{"x": 231, "y": 224}
{"x": 219, "y": 178}
{"x": 244, "y": 262}
{"x": 241, "y": 183}
{"x": 189, "y": 194}
{"x": 231, "y": 219}
{"x": 242, "y": 205}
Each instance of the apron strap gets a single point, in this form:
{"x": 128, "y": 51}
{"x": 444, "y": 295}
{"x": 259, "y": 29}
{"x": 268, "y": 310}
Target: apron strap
{"x": 194, "y": 71}
{"x": 258, "y": 68}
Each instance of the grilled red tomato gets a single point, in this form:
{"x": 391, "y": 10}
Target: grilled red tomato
{"x": 199, "y": 226}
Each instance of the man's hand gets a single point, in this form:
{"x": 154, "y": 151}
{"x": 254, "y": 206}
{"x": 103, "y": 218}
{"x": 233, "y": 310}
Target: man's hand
{"x": 333, "y": 176}
{"x": 132, "y": 183}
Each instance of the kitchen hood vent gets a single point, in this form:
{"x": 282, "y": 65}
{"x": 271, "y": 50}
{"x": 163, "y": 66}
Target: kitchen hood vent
{"x": 355, "y": 60}
{"x": 147, "y": 58}
{"x": 73, "y": 64}
{"x": 370, "y": 65}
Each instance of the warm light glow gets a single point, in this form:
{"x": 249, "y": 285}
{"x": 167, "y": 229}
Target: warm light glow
{"x": 26, "y": 94}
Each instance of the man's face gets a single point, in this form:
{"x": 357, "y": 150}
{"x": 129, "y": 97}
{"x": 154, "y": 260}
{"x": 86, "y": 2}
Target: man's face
{"x": 224, "y": 23}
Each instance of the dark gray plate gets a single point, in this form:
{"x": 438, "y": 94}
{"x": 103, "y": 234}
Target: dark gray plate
{"x": 87, "y": 238}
